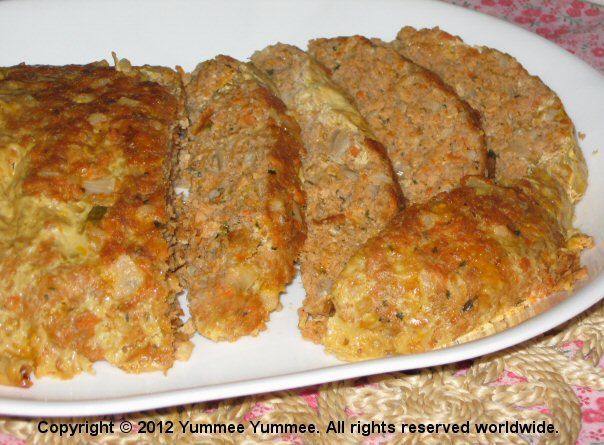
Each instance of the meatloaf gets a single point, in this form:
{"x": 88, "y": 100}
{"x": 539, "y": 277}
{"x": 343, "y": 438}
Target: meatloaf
{"x": 432, "y": 136}
{"x": 486, "y": 255}
{"x": 84, "y": 250}
{"x": 524, "y": 120}
{"x": 351, "y": 189}
{"x": 241, "y": 226}
{"x": 448, "y": 267}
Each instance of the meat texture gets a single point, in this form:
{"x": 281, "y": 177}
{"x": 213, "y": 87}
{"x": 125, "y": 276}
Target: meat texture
{"x": 489, "y": 254}
{"x": 474, "y": 258}
{"x": 241, "y": 225}
{"x": 525, "y": 122}
{"x": 433, "y": 138}
{"x": 351, "y": 189}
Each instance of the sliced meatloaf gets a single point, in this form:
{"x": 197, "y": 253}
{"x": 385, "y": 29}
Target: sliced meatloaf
{"x": 432, "y": 136}
{"x": 351, "y": 189}
{"x": 525, "y": 122}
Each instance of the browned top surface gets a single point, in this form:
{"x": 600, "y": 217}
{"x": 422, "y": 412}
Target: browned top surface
{"x": 82, "y": 209}
{"x": 446, "y": 267}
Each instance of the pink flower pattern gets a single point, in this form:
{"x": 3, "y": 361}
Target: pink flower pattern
{"x": 509, "y": 378}
{"x": 7, "y": 439}
{"x": 311, "y": 396}
{"x": 592, "y": 415}
{"x": 257, "y": 411}
{"x": 576, "y": 25}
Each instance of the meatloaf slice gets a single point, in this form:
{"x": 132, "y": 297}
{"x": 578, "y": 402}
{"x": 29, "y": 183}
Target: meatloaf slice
{"x": 524, "y": 120}
{"x": 464, "y": 264}
{"x": 432, "y": 136}
{"x": 241, "y": 226}
{"x": 351, "y": 189}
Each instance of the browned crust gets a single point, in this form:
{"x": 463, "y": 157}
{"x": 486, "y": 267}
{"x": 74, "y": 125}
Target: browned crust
{"x": 446, "y": 268}
{"x": 75, "y": 129}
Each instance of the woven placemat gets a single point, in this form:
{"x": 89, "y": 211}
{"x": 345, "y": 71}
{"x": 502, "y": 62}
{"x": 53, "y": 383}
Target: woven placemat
{"x": 546, "y": 379}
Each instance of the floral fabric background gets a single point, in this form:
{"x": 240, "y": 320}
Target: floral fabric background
{"x": 576, "y": 25}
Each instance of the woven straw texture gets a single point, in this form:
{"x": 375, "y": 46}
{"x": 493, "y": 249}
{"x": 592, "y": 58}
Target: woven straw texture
{"x": 537, "y": 380}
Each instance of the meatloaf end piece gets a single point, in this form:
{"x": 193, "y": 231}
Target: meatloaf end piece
{"x": 465, "y": 263}
{"x": 84, "y": 250}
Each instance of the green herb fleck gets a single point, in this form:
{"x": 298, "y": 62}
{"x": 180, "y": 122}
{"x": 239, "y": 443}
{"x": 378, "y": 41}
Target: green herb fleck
{"x": 492, "y": 154}
{"x": 400, "y": 315}
{"x": 96, "y": 213}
